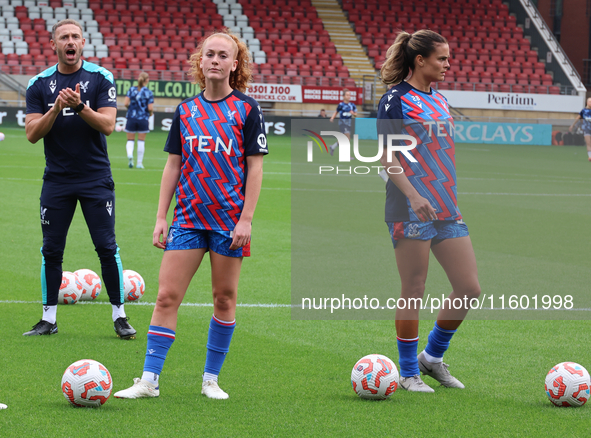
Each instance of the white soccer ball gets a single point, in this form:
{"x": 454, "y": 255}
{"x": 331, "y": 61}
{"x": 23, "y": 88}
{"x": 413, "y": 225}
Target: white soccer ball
{"x": 133, "y": 285}
{"x": 568, "y": 384}
{"x": 71, "y": 289}
{"x": 374, "y": 377}
{"x": 87, "y": 383}
{"x": 1, "y": 136}
{"x": 91, "y": 284}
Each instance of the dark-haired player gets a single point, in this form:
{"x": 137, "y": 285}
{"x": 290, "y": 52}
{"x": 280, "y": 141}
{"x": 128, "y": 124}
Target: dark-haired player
{"x": 421, "y": 202}
{"x": 73, "y": 106}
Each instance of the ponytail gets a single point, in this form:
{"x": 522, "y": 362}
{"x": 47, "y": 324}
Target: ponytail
{"x": 400, "y": 57}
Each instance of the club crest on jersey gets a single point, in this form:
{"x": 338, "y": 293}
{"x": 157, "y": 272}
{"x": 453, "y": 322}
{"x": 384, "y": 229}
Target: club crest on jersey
{"x": 109, "y": 207}
{"x": 194, "y": 111}
{"x": 413, "y": 231}
{"x": 112, "y": 94}
{"x": 53, "y": 85}
{"x": 84, "y": 86}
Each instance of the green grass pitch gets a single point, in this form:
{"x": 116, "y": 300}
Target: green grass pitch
{"x": 529, "y": 213}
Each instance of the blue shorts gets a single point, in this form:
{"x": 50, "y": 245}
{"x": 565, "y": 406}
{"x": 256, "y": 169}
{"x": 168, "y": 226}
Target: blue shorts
{"x": 345, "y": 126}
{"x": 136, "y": 126}
{"x": 435, "y": 231}
{"x": 218, "y": 241}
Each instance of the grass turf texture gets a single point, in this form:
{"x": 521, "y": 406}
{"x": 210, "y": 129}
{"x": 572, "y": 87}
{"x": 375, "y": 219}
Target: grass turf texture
{"x": 286, "y": 377}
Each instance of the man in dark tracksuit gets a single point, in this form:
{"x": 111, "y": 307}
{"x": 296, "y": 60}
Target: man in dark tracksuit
{"x": 72, "y": 106}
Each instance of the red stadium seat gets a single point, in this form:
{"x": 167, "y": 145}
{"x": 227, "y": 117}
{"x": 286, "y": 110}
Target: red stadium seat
{"x": 541, "y": 89}
{"x": 547, "y": 79}
{"x": 519, "y": 89}
{"x": 498, "y": 78}
{"x": 535, "y": 79}
{"x": 522, "y": 79}
{"x": 503, "y": 67}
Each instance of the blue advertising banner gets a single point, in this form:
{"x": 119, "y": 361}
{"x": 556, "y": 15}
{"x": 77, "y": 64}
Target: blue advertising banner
{"x": 479, "y": 132}
{"x": 503, "y": 133}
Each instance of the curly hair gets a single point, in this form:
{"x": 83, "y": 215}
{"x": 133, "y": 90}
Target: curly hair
{"x": 400, "y": 57}
{"x": 240, "y": 77}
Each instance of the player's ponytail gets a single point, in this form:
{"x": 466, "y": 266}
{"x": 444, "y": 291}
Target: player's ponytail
{"x": 239, "y": 78}
{"x": 142, "y": 80}
{"x": 400, "y": 57}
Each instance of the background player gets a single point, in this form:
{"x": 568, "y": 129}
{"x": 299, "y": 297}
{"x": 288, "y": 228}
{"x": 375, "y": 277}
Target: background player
{"x": 217, "y": 170}
{"x": 140, "y": 106}
{"x": 585, "y": 117}
{"x": 346, "y": 111}
{"x": 72, "y": 106}
{"x": 421, "y": 211}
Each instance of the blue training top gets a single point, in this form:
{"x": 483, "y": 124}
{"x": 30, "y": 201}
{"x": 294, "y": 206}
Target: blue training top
{"x": 74, "y": 151}
{"x": 586, "y": 123}
{"x": 138, "y": 103}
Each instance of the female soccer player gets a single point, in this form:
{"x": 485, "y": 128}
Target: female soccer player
{"x": 346, "y": 111}
{"x": 140, "y": 106}
{"x": 421, "y": 205}
{"x": 216, "y": 145}
{"x": 585, "y": 116}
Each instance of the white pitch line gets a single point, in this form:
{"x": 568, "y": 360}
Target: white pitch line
{"x": 356, "y": 191}
{"x": 144, "y": 303}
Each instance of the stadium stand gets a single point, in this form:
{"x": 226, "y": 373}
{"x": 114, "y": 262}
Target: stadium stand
{"x": 488, "y": 50}
{"x": 288, "y": 39}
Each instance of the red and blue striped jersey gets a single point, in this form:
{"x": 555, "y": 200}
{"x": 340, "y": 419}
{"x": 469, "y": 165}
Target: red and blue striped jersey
{"x": 426, "y": 117}
{"x": 214, "y": 139}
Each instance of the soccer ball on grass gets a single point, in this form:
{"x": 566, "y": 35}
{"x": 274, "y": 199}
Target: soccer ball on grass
{"x": 91, "y": 284}
{"x": 568, "y": 384}
{"x": 87, "y": 383}
{"x": 133, "y": 285}
{"x": 71, "y": 289}
{"x": 374, "y": 377}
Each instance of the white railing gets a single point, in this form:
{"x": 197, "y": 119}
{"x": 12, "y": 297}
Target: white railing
{"x": 557, "y": 51}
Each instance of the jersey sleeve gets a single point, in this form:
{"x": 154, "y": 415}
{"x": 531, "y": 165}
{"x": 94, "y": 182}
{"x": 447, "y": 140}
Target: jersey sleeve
{"x": 389, "y": 119}
{"x": 340, "y": 107}
{"x": 255, "y": 140}
{"x": 107, "y": 94}
{"x": 151, "y": 97}
{"x": 129, "y": 92}
{"x": 354, "y": 107}
{"x": 34, "y": 101}
{"x": 173, "y": 142}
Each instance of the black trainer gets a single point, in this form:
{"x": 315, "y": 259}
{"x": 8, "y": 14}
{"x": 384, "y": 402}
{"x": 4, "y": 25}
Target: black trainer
{"x": 42, "y": 328}
{"x": 123, "y": 329}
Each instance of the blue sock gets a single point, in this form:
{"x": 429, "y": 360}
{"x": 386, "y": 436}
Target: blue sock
{"x": 160, "y": 340}
{"x": 407, "y": 356}
{"x": 438, "y": 342}
{"x": 218, "y": 344}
